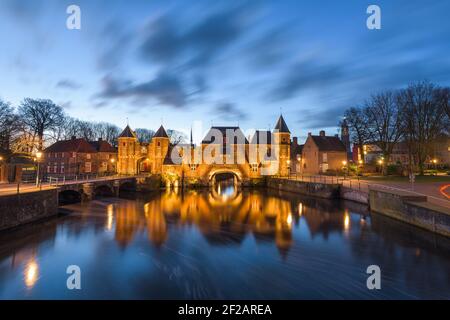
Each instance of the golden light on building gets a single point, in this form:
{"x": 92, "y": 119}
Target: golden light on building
{"x": 434, "y": 161}
{"x": 31, "y": 273}
{"x": 300, "y": 209}
{"x": 344, "y": 163}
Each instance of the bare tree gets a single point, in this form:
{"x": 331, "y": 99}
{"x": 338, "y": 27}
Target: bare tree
{"x": 358, "y": 127}
{"x": 424, "y": 119}
{"x": 40, "y": 115}
{"x": 8, "y": 124}
{"x": 144, "y": 135}
{"x": 384, "y": 122}
{"x": 176, "y": 137}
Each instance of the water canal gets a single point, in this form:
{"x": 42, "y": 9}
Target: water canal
{"x": 222, "y": 243}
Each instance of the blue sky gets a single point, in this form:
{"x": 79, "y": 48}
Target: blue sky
{"x": 221, "y": 62}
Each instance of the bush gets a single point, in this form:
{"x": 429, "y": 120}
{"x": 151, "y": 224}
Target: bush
{"x": 394, "y": 169}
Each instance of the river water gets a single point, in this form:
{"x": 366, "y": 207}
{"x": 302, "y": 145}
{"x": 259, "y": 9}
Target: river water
{"x": 222, "y": 244}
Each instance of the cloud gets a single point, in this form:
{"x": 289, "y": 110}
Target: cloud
{"x": 166, "y": 41}
{"x": 306, "y": 75}
{"x": 319, "y": 118}
{"x": 68, "y": 84}
{"x": 229, "y": 111}
{"x": 167, "y": 89}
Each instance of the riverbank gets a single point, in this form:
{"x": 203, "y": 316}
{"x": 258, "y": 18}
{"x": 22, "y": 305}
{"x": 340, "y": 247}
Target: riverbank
{"x": 401, "y": 205}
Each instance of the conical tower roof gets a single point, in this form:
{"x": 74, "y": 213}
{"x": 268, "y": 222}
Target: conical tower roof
{"x": 161, "y": 133}
{"x": 281, "y": 125}
{"x": 127, "y": 133}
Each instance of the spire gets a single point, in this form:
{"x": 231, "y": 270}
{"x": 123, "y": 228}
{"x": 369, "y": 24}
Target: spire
{"x": 192, "y": 139}
{"x": 281, "y": 125}
{"x": 161, "y": 133}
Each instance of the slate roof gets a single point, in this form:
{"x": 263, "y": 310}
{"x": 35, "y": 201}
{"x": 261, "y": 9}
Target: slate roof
{"x": 327, "y": 143}
{"x": 72, "y": 145}
{"x": 127, "y": 133}
{"x": 103, "y": 146}
{"x": 161, "y": 133}
{"x": 281, "y": 125}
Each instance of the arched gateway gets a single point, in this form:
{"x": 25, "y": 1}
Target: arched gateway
{"x": 200, "y": 165}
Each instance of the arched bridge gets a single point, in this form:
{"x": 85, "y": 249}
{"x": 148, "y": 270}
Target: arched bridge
{"x": 77, "y": 190}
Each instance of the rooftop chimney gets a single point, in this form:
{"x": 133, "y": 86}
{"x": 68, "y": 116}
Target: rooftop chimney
{"x": 295, "y": 141}
{"x": 322, "y": 133}
{"x": 73, "y": 138}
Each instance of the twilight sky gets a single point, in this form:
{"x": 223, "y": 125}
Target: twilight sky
{"x": 221, "y": 62}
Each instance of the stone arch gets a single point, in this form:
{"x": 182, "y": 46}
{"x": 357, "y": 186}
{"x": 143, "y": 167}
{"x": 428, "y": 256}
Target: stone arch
{"x": 143, "y": 165}
{"x": 236, "y": 173}
{"x": 66, "y": 197}
{"x": 103, "y": 190}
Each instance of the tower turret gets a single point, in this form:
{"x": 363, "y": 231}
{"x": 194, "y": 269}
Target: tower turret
{"x": 282, "y": 144}
{"x": 128, "y": 146}
{"x": 159, "y": 147}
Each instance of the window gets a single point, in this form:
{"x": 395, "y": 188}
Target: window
{"x": 48, "y": 169}
{"x": 159, "y": 144}
{"x": 325, "y": 157}
{"x": 74, "y": 154}
{"x": 88, "y": 156}
{"x": 87, "y": 167}
{"x": 62, "y": 167}
{"x": 254, "y": 167}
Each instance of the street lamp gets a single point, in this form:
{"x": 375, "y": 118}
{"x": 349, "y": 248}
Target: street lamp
{"x": 113, "y": 161}
{"x": 435, "y": 163}
{"x": 344, "y": 163}
{"x": 38, "y": 159}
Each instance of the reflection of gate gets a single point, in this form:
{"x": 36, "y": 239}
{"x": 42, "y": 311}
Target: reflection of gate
{"x": 235, "y": 174}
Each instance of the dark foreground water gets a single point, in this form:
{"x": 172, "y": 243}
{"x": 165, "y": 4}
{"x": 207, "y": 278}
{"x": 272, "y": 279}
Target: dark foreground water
{"x": 222, "y": 244}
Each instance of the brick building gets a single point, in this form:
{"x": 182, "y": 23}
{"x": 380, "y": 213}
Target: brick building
{"x": 78, "y": 156}
{"x": 322, "y": 153}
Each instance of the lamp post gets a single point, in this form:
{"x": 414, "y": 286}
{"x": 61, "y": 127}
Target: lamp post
{"x": 381, "y": 165}
{"x": 38, "y": 159}
{"x": 435, "y": 164}
{"x": 113, "y": 161}
{"x": 298, "y": 166}
{"x": 344, "y": 163}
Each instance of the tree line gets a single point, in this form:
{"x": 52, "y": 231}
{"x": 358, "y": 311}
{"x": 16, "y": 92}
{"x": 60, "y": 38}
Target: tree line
{"x": 418, "y": 115}
{"x": 37, "y": 123}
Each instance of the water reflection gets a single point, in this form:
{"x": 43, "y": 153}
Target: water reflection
{"x": 175, "y": 244}
{"x": 31, "y": 273}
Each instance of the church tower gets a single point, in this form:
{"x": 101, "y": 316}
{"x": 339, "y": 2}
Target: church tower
{"x": 345, "y": 137}
{"x": 128, "y": 152}
{"x": 158, "y": 150}
{"x": 282, "y": 144}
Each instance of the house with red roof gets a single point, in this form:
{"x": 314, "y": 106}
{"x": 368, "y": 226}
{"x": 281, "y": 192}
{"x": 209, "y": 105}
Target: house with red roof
{"x": 78, "y": 156}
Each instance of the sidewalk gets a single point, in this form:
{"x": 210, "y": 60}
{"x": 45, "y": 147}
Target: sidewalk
{"x": 429, "y": 189}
